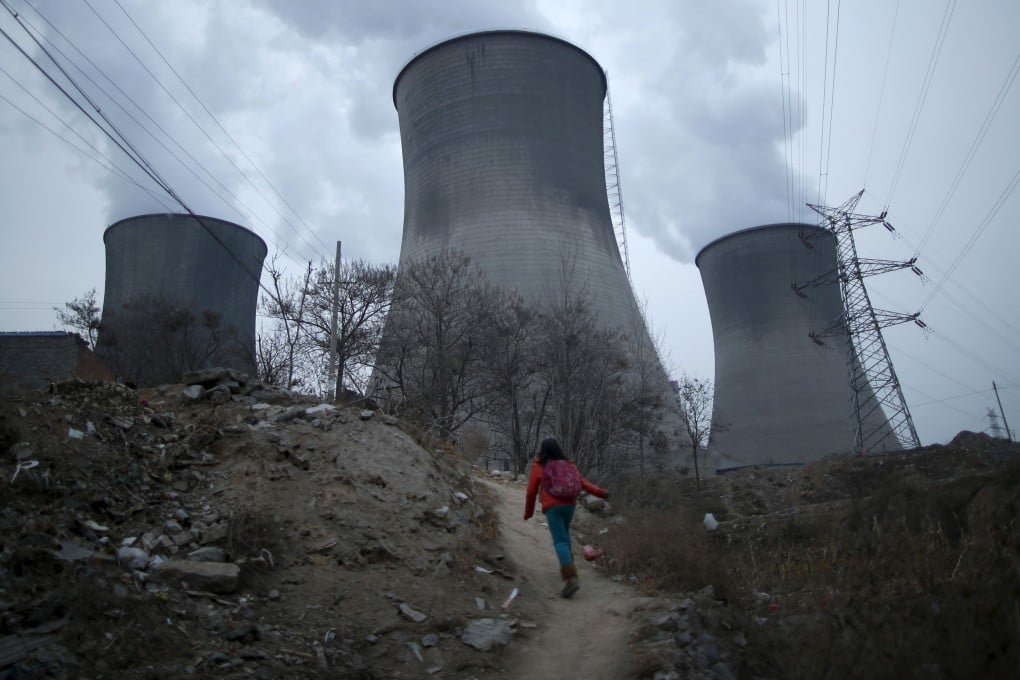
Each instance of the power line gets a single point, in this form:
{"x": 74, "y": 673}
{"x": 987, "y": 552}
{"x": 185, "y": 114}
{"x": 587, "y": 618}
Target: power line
{"x": 881, "y": 92}
{"x": 940, "y": 39}
{"x": 238, "y": 203}
{"x": 220, "y": 126}
{"x": 978, "y": 139}
{"x": 196, "y": 123}
{"x": 787, "y": 141}
{"x": 832, "y": 101}
{"x": 114, "y": 135}
{"x": 825, "y": 87}
{"x": 978, "y": 231}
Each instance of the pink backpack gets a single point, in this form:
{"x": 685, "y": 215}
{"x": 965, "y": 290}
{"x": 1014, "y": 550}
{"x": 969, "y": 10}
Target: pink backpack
{"x": 561, "y": 479}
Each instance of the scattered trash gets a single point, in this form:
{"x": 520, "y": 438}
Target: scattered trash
{"x": 482, "y": 570}
{"x": 23, "y": 465}
{"x": 710, "y": 522}
{"x": 592, "y": 552}
{"x": 75, "y": 434}
{"x": 507, "y": 601}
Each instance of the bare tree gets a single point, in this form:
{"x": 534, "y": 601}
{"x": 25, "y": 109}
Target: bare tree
{"x": 694, "y": 403}
{"x": 366, "y": 292}
{"x": 286, "y": 303}
{"x": 432, "y": 349}
{"x": 517, "y": 410}
{"x": 82, "y": 315}
{"x": 583, "y": 366}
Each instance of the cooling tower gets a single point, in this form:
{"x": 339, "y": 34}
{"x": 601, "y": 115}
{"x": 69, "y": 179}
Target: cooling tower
{"x": 502, "y": 136}
{"x": 780, "y": 397}
{"x": 181, "y": 294}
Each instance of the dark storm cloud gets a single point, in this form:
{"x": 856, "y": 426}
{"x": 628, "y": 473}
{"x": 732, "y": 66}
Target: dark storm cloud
{"x": 698, "y": 125}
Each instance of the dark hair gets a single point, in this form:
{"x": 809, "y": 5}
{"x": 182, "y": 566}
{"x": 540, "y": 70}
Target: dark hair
{"x": 550, "y": 451}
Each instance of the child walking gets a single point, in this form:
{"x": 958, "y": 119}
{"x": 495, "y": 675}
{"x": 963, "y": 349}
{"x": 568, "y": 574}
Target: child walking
{"x": 560, "y": 483}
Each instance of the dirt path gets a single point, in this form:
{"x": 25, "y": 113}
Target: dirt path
{"x": 583, "y": 637}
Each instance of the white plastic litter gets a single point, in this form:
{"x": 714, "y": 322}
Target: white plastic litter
{"x": 710, "y": 522}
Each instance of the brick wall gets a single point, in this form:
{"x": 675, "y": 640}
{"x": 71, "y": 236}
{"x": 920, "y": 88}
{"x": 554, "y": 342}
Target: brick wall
{"x": 34, "y": 360}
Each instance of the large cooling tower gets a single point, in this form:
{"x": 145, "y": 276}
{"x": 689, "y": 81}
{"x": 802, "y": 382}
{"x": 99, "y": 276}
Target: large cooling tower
{"x": 781, "y": 397}
{"x": 181, "y": 294}
{"x": 502, "y": 137}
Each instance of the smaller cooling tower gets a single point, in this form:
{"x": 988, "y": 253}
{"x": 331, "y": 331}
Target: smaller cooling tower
{"x": 181, "y": 294}
{"x": 780, "y": 397}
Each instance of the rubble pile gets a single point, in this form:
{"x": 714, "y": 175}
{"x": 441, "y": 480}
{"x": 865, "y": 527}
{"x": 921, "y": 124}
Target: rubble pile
{"x": 223, "y": 527}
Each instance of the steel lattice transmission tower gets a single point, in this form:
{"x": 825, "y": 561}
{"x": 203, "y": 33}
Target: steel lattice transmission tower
{"x": 614, "y": 190}
{"x": 873, "y": 381}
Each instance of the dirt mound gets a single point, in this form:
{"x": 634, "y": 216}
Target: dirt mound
{"x": 164, "y": 533}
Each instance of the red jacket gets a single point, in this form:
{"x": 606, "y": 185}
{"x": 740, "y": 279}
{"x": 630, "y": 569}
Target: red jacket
{"x": 548, "y": 500}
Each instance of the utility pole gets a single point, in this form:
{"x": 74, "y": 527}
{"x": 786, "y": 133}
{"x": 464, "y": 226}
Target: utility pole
{"x": 1009, "y": 435}
{"x": 335, "y": 380}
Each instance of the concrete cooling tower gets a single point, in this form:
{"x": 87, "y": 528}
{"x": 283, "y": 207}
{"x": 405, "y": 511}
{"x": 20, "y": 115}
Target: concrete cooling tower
{"x": 502, "y": 139}
{"x": 181, "y": 294}
{"x": 502, "y": 136}
{"x": 781, "y": 397}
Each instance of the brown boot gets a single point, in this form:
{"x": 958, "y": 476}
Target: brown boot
{"x": 569, "y": 574}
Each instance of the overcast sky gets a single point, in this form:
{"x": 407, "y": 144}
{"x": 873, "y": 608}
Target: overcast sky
{"x": 728, "y": 114}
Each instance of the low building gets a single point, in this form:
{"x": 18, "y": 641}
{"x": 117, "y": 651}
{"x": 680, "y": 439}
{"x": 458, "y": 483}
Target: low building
{"x": 37, "y": 358}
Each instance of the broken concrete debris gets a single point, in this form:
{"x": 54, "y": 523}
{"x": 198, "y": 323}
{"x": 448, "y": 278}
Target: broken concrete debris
{"x": 482, "y": 634}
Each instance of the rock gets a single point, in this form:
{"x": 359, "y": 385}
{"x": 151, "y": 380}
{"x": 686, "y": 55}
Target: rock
{"x": 183, "y": 538}
{"x": 389, "y": 420}
{"x": 416, "y": 651}
{"x": 218, "y": 395}
{"x": 193, "y": 393}
{"x": 482, "y": 634}
{"x": 273, "y": 595}
{"x": 290, "y": 414}
{"x": 172, "y": 526}
{"x": 217, "y": 532}
{"x": 594, "y": 504}
{"x": 480, "y": 603}
{"x": 430, "y": 640}
{"x": 181, "y": 515}
{"x": 132, "y": 558}
{"x": 230, "y": 384}
{"x": 72, "y": 552}
{"x": 366, "y": 414}
{"x": 320, "y": 410}
{"x": 411, "y": 614}
{"x": 461, "y": 497}
{"x": 216, "y": 577}
{"x": 208, "y": 554}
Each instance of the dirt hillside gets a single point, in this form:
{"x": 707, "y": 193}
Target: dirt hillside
{"x": 224, "y": 529}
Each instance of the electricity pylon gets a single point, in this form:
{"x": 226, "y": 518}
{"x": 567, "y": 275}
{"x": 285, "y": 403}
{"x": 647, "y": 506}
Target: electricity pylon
{"x": 874, "y": 387}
